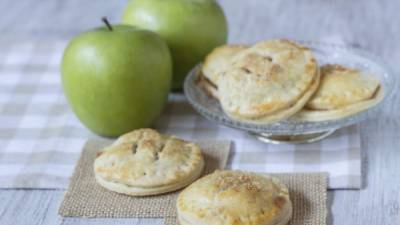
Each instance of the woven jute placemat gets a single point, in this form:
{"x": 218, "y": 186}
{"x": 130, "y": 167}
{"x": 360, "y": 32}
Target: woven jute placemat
{"x": 85, "y": 198}
{"x": 308, "y": 195}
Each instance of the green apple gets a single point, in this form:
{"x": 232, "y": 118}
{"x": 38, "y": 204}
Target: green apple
{"x": 191, "y": 28}
{"x": 117, "y": 79}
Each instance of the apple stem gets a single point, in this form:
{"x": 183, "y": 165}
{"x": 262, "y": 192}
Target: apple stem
{"x": 105, "y": 20}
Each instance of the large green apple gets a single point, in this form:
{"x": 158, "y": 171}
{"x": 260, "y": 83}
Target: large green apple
{"x": 117, "y": 79}
{"x": 191, "y": 28}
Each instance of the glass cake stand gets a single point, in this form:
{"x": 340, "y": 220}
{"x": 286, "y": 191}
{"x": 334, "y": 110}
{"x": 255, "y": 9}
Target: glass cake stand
{"x": 290, "y": 131}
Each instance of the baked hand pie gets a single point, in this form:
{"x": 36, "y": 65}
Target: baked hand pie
{"x": 144, "y": 162}
{"x": 215, "y": 63}
{"x": 343, "y": 91}
{"x": 234, "y": 197}
{"x": 268, "y": 82}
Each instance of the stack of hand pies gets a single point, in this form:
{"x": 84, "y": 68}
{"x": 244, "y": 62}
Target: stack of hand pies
{"x": 277, "y": 79}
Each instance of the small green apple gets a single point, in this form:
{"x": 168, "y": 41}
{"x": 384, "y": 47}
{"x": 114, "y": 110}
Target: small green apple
{"x": 117, "y": 79}
{"x": 191, "y": 28}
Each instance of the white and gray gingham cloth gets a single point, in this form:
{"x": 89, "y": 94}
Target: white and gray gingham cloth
{"x": 41, "y": 139}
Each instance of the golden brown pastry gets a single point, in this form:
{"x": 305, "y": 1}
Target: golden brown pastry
{"x": 233, "y": 198}
{"x": 268, "y": 82}
{"x": 215, "y": 63}
{"x": 343, "y": 91}
{"x": 144, "y": 162}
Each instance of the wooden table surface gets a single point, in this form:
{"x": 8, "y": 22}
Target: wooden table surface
{"x": 369, "y": 24}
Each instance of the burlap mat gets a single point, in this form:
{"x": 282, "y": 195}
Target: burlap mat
{"x": 85, "y": 198}
{"x": 308, "y": 195}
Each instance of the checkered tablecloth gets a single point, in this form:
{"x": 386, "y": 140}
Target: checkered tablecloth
{"x": 41, "y": 139}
